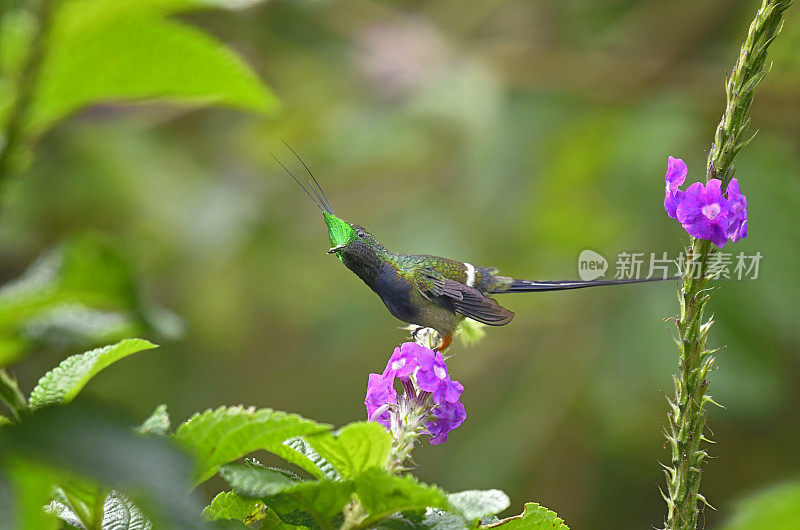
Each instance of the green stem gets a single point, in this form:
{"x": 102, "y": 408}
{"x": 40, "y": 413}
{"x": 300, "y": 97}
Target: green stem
{"x": 408, "y": 423}
{"x": 687, "y": 416}
{"x": 12, "y": 396}
{"x": 99, "y": 508}
{"x": 15, "y": 134}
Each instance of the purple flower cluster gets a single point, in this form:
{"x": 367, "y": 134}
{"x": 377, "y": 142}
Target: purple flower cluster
{"x": 424, "y": 376}
{"x": 703, "y": 210}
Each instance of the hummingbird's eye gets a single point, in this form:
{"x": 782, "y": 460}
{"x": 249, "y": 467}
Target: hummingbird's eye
{"x": 360, "y": 233}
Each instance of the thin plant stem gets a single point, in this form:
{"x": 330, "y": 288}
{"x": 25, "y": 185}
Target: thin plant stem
{"x": 686, "y": 426}
{"x": 14, "y": 134}
{"x": 12, "y": 396}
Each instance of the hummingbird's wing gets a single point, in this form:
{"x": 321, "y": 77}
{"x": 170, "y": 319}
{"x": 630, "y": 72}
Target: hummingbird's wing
{"x": 462, "y": 299}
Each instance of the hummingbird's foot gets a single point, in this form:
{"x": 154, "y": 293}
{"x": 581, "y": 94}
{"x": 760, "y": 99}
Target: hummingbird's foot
{"x": 444, "y": 342}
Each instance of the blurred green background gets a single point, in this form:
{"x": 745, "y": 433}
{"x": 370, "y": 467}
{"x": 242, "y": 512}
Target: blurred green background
{"x": 505, "y": 133}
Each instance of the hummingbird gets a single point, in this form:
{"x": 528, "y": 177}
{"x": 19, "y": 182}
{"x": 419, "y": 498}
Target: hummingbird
{"x": 424, "y": 290}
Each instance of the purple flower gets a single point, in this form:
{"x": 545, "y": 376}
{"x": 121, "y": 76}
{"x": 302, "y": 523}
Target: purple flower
{"x": 704, "y": 212}
{"x": 404, "y": 360}
{"x": 380, "y": 394}
{"x": 676, "y": 174}
{"x": 447, "y": 416}
{"x": 702, "y": 209}
{"x": 433, "y": 377}
{"x": 430, "y": 401}
{"x": 737, "y": 203}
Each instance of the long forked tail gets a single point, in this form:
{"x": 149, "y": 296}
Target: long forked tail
{"x": 529, "y": 286}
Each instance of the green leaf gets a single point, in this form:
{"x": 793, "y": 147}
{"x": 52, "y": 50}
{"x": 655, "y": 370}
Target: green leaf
{"x": 309, "y": 459}
{"x": 81, "y": 499}
{"x": 219, "y": 436}
{"x": 16, "y": 32}
{"x": 255, "y": 480}
{"x": 776, "y": 508}
{"x": 75, "y": 324}
{"x": 474, "y": 504}
{"x": 430, "y": 519}
{"x": 124, "y": 50}
{"x": 383, "y": 494}
{"x": 355, "y": 448}
{"x": 63, "y": 512}
{"x": 535, "y": 517}
{"x": 158, "y": 422}
{"x": 87, "y": 265}
{"x": 81, "y": 293}
{"x": 286, "y": 493}
{"x": 120, "y": 513}
{"x": 63, "y": 383}
{"x": 229, "y": 505}
{"x": 322, "y": 499}
{"x": 302, "y": 460}
{"x": 28, "y": 484}
{"x": 83, "y": 441}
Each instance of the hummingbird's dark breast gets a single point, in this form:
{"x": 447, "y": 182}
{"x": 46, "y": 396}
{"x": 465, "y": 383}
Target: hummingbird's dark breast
{"x": 382, "y": 277}
{"x": 396, "y": 293}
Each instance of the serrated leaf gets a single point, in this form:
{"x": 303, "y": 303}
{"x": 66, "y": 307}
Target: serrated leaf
{"x": 255, "y": 480}
{"x": 120, "y": 513}
{"x": 63, "y": 512}
{"x": 286, "y": 493}
{"x": 229, "y": 505}
{"x": 309, "y": 459}
{"x": 430, "y": 519}
{"x": 158, "y": 422}
{"x": 355, "y": 448}
{"x": 474, "y": 504}
{"x": 535, "y": 517}
{"x": 322, "y": 499}
{"x": 63, "y": 383}
{"x": 219, "y": 436}
{"x": 121, "y": 50}
{"x": 80, "y": 497}
{"x": 293, "y": 457}
{"x": 383, "y": 494}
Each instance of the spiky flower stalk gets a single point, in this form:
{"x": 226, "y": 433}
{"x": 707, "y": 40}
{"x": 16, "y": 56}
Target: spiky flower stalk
{"x": 687, "y": 416}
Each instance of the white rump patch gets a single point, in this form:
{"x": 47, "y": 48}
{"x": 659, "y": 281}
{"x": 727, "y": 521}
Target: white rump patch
{"x": 470, "y": 270}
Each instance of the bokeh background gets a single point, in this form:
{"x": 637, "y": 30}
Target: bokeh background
{"x": 505, "y": 133}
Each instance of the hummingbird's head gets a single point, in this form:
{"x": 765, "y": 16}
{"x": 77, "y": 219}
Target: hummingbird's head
{"x": 345, "y": 236}
{"x": 341, "y": 233}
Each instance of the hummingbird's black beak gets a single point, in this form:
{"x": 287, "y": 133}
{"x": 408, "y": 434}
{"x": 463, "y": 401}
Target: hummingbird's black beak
{"x": 336, "y": 249}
